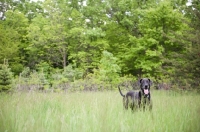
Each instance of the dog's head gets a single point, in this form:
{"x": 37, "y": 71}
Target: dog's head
{"x": 145, "y": 84}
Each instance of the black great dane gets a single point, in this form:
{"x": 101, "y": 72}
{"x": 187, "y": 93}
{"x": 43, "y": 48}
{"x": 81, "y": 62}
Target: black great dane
{"x": 138, "y": 99}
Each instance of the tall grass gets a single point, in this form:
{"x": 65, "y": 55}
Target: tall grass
{"x": 97, "y": 112}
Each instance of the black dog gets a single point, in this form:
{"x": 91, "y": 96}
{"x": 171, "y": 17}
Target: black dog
{"x": 136, "y": 99}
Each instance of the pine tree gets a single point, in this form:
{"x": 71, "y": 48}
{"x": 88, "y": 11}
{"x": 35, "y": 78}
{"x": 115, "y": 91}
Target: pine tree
{"x": 5, "y": 77}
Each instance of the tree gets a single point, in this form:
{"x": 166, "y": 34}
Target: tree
{"x": 13, "y": 32}
{"x": 87, "y": 40}
{"x": 122, "y": 22}
{"x": 108, "y": 70}
{"x": 48, "y": 35}
{"x": 149, "y": 38}
{"x": 58, "y": 35}
{"x": 5, "y": 77}
{"x": 190, "y": 70}
{"x": 162, "y": 33}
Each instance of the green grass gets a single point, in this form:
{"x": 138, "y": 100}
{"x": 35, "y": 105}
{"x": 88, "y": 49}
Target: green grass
{"x": 97, "y": 112}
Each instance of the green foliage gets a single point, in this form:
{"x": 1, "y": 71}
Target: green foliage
{"x": 158, "y": 27}
{"x": 108, "y": 69}
{"x": 149, "y": 38}
{"x": 86, "y": 51}
{"x": 72, "y": 73}
{"x": 5, "y": 77}
{"x": 45, "y": 68}
{"x": 58, "y": 80}
{"x": 26, "y": 72}
{"x": 33, "y": 80}
{"x": 38, "y": 78}
{"x": 189, "y": 68}
{"x": 13, "y": 31}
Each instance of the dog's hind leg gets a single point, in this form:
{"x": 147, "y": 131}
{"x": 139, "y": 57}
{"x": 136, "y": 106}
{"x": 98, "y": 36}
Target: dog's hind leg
{"x": 125, "y": 102}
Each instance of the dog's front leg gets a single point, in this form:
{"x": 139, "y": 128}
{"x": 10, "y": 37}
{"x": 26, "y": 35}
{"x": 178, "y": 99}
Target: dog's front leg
{"x": 150, "y": 105}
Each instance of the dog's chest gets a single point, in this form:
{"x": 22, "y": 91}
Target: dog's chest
{"x": 145, "y": 100}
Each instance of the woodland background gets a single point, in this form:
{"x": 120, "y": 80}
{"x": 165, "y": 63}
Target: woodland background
{"x": 98, "y": 44}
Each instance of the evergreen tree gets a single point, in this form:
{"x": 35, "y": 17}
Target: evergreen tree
{"x": 5, "y": 77}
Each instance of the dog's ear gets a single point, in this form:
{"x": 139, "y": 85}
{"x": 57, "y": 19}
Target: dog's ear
{"x": 140, "y": 81}
{"x": 151, "y": 82}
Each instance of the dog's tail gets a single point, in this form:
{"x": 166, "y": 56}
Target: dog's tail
{"x": 121, "y": 92}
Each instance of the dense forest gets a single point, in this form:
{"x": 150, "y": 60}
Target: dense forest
{"x": 95, "y": 44}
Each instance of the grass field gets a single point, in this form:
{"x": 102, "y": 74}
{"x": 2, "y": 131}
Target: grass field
{"x": 97, "y": 112}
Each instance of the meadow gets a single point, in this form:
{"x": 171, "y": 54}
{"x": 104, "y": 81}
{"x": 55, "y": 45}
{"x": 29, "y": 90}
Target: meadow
{"x": 97, "y": 112}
